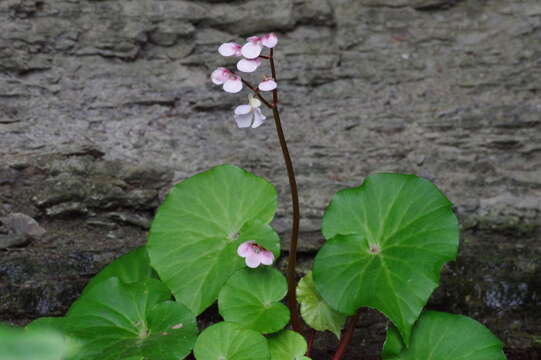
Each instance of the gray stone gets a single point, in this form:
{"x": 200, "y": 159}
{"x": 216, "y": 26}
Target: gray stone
{"x": 129, "y": 218}
{"x": 23, "y": 224}
{"x": 67, "y": 209}
{"x": 13, "y": 240}
{"x": 431, "y": 4}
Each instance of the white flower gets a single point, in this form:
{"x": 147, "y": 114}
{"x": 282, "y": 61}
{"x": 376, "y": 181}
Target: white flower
{"x": 269, "y": 40}
{"x": 230, "y": 49}
{"x": 252, "y": 49}
{"x": 248, "y": 65}
{"x": 250, "y": 114}
{"x": 231, "y": 83}
{"x": 267, "y": 85}
{"x": 254, "y": 254}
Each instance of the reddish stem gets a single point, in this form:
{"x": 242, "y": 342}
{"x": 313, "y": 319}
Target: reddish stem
{"x": 292, "y": 260}
{"x": 273, "y": 71}
{"x": 311, "y": 339}
{"x": 347, "y": 334}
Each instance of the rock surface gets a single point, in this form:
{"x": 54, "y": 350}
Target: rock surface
{"x": 103, "y": 104}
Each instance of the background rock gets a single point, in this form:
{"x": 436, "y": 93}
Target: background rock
{"x": 104, "y": 103}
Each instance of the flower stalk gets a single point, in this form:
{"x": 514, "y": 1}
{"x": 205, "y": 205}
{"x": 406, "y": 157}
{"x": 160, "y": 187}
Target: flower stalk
{"x": 292, "y": 259}
{"x": 250, "y": 115}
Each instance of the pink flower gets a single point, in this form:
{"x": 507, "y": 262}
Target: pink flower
{"x": 267, "y": 85}
{"x": 255, "y": 254}
{"x": 269, "y": 40}
{"x": 232, "y": 82}
{"x": 230, "y": 49}
{"x": 250, "y": 114}
{"x": 248, "y": 65}
{"x": 252, "y": 49}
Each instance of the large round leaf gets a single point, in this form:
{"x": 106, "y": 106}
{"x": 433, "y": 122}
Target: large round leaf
{"x": 389, "y": 238}
{"x": 251, "y": 298}
{"x": 287, "y": 345}
{"x": 315, "y": 311}
{"x": 229, "y": 341}
{"x": 443, "y": 336}
{"x": 129, "y": 268}
{"x": 197, "y": 230}
{"x": 116, "y": 321}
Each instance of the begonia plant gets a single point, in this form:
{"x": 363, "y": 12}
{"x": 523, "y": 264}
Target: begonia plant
{"x": 211, "y": 242}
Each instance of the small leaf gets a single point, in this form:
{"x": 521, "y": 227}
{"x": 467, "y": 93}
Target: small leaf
{"x": 55, "y": 325}
{"x": 443, "y": 336}
{"x": 387, "y": 241}
{"x": 287, "y": 345}
{"x": 393, "y": 343}
{"x": 16, "y": 344}
{"x": 315, "y": 311}
{"x": 229, "y": 341}
{"x": 117, "y": 321}
{"x": 194, "y": 237}
{"x": 251, "y": 298}
{"x": 129, "y": 268}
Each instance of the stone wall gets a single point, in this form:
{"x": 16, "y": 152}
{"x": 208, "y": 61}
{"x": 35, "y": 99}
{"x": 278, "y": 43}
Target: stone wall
{"x": 104, "y": 104}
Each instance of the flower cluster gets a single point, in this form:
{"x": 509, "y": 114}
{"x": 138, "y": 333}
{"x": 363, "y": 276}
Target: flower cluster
{"x": 255, "y": 254}
{"x": 251, "y": 59}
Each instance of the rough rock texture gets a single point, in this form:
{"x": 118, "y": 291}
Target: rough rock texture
{"x": 104, "y": 104}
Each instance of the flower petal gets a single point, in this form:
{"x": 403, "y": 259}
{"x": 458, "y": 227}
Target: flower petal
{"x": 267, "y": 85}
{"x": 259, "y": 118}
{"x": 229, "y": 49}
{"x": 233, "y": 85}
{"x": 243, "y": 109}
{"x": 248, "y": 65}
{"x": 269, "y": 40}
{"x": 219, "y": 76}
{"x": 244, "y": 121}
{"x": 254, "y": 102}
{"x": 251, "y": 50}
{"x": 266, "y": 257}
{"x": 253, "y": 261}
{"x": 245, "y": 248}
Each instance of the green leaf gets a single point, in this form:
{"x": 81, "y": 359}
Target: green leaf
{"x": 229, "y": 341}
{"x": 118, "y": 321}
{"x": 315, "y": 311}
{"x": 194, "y": 237}
{"x": 287, "y": 345}
{"x": 251, "y": 298}
{"x": 389, "y": 238}
{"x": 393, "y": 343}
{"x": 129, "y": 268}
{"x": 443, "y": 336}
{"x": 16, "y": 344}
{"x": 56, "y": 325}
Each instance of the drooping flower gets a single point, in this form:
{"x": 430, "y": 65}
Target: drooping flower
{"x": 255, "y": 254}
{"x": 248, "y": 65}
{"x": 267, "y": 85}
{"x": 252, "y": 49}
{"x": 230, "y": 49}
{"x": 232, "y": 83}
{"x": 250, "y": 114}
